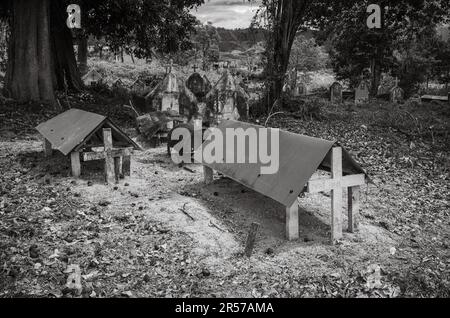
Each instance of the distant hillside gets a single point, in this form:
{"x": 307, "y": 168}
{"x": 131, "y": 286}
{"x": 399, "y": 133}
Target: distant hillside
{"x": 240, "y": 39}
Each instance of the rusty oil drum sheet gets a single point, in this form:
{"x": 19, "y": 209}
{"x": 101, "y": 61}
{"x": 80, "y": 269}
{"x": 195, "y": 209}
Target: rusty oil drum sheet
{"x": 300, "y": 156}
{"x": 69, "y": 129}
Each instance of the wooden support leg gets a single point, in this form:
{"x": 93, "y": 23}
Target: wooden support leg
{"x": 336, "y": 215}
{"x": 292, "y": 231}
{"x": 336, "y": 196}
{"x": 117, "y": 168}
{"x": 47, "y": 148}
{"x": 209, "y": 174}
{"x": 353, "y": 208}
{"x": 76, "y": 164}
{"x": 126, "y": 166}
{"x": 120, "y": 164}
{"x": 109, "y": 160}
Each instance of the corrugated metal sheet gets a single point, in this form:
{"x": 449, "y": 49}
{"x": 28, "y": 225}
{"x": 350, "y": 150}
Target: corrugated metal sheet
{"x": 300, "y": 157}
{"x": 69, "y": 130}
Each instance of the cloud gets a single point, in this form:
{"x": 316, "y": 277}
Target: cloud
{"x": 231, "y": 14}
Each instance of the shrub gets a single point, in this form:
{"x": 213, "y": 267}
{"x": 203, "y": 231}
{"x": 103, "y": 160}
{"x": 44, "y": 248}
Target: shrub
{"x": 308, "y": 109}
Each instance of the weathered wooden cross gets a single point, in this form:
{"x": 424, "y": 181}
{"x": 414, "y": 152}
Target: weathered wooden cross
{"x": 336, "y": 185}
{"x": 117, "y": 161}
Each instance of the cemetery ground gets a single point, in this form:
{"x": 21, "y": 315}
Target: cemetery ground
{"x": 163, "y": 233}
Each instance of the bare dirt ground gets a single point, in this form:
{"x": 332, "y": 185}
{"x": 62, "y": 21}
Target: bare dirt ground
{"x": 134, "y": 240}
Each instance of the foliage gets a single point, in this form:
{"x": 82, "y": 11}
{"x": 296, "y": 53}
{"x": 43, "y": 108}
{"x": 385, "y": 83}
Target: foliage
{"x": 306, "y": 55}
{"x": 205, "y": 40}
{"x": 310, "y": 109}
{"x": 142, "y": 26}
{"x": 404, "y": 43}
{"x": 139, "y": 26}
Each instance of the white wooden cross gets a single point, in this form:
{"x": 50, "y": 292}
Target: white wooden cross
{"x": 117, "y": 161}
{"x": 336, "y": 185}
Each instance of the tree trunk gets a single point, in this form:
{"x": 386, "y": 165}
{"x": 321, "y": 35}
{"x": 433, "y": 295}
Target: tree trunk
{"x": 376, "y": 77}
{"x": 40, "y": 53}
{"x": 63, "y": 57}
{"x": 82, "y": 54}
{"x": 29, "y": 75}
{"x": 82, "y": 44}
{"x": 287, "y": 19}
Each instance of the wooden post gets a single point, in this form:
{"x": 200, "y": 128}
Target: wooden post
{"x": 353, "y": 208}
{"x": 209, "y": 174}
{"x": 117, "y": 168}
{"x": 251, "y": 239}
{"x": 76, "y": 164}
{"x": 126, "y": 166}
{"x": 292, "y": 231}
{"x": 47, "y": 148}
{"x": 109, "y": 160}
{"x": 336, "y": 195}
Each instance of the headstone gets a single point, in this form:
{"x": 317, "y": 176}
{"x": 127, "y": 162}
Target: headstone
{"x": 170, "y": 92}
{"x": 362, "y": 92}
{"x": 396, "y": 93}
{"x": 336, "y": 93}
{"x": 92, "y": 78}
{"x": 225, "y": 97}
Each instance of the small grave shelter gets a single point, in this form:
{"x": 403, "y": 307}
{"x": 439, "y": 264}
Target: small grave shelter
{"x": 92, "y": 78}
{"x": 299, "y": 158}
{"x": 77, "y": 132}
{"x": 227, "y": 99}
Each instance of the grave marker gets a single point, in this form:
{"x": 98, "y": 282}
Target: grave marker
{"x": 76, "y": 131}
{"x": 113, "y": 158}
{"x": 336, "y": 93}
{"x": 301, "y": 90}
{"x": 362, "y": 92}
{"x": 92, "y": 78}
{"x": 396, "y": 93}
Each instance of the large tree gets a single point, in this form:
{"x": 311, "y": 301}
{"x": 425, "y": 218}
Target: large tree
{"x": 283, "y": 19}
{"x": 405, "y": 25}
{"x": 40, "y": 53}
{"x": 41, "y": 58}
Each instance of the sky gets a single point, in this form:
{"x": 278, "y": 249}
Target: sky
{"x": 229, "y": 14}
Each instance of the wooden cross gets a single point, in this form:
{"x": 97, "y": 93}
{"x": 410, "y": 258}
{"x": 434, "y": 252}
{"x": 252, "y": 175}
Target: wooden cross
{"x": 195, "y": 68}
{"x": 336, "y": 185}
{"x": 396, "y": 82}
{"x": 170, "y": 66}
{"x": 117, "y": 161}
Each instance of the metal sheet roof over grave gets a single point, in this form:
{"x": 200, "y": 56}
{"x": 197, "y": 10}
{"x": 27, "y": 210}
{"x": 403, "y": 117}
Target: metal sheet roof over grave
{"x": 300, "y": 157}
{"x": 72, "y": 129}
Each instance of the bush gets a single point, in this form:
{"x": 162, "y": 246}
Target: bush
{"x": 308, "y": 109}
